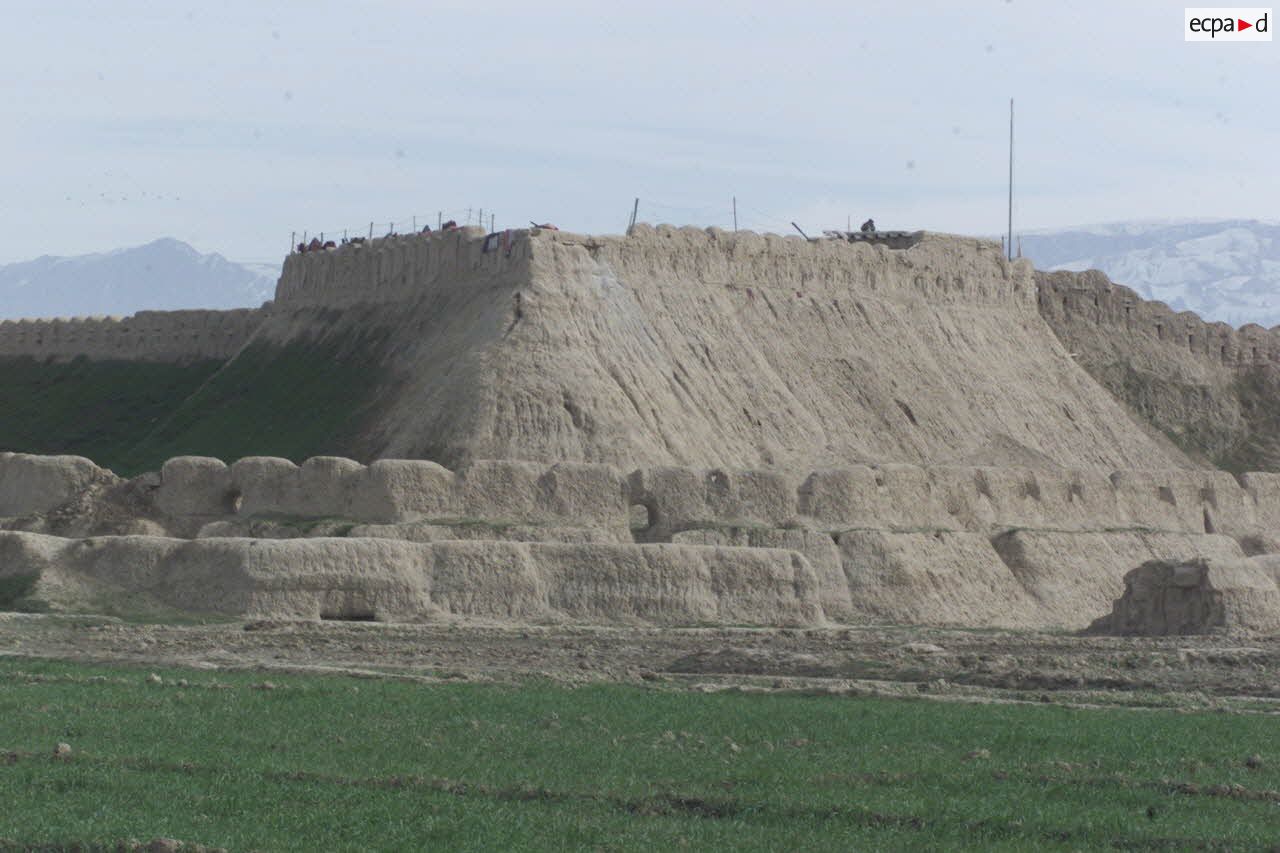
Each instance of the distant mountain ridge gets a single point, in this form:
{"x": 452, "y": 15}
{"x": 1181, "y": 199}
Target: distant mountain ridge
{"x": 165, "y": 274}
{"x": 1225, "y": 270}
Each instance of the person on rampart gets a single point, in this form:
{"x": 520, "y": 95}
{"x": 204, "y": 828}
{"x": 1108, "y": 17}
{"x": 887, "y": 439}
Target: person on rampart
{"x": 451, "y": 225}
{"x": 869, "y": 227}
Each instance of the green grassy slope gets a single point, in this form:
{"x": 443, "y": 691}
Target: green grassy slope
{"x": 94, "y": 409}
{"x": 299, "y": 400}
{"x": 333, "y": 763}
{"x": 303, "y": 399}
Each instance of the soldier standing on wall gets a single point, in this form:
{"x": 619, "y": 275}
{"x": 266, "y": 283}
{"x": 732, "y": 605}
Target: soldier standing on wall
{"x": 869, "y": 227}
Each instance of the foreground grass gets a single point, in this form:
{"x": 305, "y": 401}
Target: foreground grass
{"x": 338, "y": 763}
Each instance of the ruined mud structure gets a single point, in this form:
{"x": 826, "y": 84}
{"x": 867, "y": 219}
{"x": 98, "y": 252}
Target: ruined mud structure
{"x": 674, "y": 427}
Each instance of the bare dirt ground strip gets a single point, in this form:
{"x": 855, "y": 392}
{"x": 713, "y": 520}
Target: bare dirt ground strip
{"x": 1227, "y": 673}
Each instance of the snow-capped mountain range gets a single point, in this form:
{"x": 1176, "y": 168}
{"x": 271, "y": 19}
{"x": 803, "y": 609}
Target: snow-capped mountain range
{"x": 1226, "y": 270}
{"x": 166, "y": 274}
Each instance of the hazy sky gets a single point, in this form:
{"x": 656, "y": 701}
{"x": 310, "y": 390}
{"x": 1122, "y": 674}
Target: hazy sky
{"x": 229, "y": 125}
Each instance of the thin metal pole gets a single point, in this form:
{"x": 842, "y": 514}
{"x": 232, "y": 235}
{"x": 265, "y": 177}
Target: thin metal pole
{"x": 1009, "y": 244}
{"x": 492, "y": 217}
{"x": 735, "y": 213}
{"x": 635, "y": 209}
{"x": 292, "y": 236}
{"x": 370, "y": 230}
{"x": 439, "y": 219}
{"x": 415, "y": 225}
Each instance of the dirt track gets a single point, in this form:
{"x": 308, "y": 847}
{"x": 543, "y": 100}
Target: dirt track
{"x": 1191, "y": 672}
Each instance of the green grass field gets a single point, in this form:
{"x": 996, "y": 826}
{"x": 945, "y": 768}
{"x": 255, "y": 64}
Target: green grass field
{"x": 336, "y": 763}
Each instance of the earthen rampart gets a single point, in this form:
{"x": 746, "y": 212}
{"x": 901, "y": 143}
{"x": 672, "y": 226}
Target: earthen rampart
{"x": 401, "y": 268}
{"x": 1076, "y": 303}
{"x": 942, "y": 268}
{"x": 170, "y": 336}
{"x": 675, "y": 500}
{"x": 898, "y": 543}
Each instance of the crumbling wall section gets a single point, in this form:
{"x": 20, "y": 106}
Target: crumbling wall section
{"x": 1199, "y": 596}
{"x": 31, "y": 484}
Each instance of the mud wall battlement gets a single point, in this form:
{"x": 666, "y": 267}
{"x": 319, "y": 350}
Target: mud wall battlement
{"x": 890, "y": 543}
{"x": 394, "y": 490}
{"x": 390, "y": 580}
{"x": 942, "y": 268}
{"x": 674, "y": 500}
{"x": 144, "y": 336}
{"x": 1070, "y": 301}
{"x": 400, "y": 268}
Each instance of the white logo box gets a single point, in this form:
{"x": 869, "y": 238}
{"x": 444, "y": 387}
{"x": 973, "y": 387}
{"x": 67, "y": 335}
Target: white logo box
{"x": 1210, "y": 24}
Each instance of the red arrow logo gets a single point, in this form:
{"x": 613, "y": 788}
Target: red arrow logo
{"x": 1243, "y": 25}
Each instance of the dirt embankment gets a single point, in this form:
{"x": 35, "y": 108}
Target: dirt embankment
{"x": 938, "y": 663}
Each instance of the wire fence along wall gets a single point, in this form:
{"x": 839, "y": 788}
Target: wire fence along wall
{"x": 731, "y": 215}
{"x": 412, "y": 224}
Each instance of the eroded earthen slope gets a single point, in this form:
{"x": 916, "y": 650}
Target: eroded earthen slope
{"x": 683, "y": 346}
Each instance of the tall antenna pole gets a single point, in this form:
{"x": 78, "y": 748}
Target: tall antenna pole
{"x": 1009, "y": 245}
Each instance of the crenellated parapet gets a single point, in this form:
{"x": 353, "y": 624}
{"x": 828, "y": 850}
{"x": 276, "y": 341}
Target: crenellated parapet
{"x": 943, "y": 269}
{"x": 670, "y": 500}
{"x": 891, "y": 543}
{"x": 176, "y": 336}
{"x": 401, "y": 268}
{"x": 1075, "y": 303}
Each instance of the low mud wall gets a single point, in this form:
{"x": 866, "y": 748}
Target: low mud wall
{"x": 668, "y": 501}
{"x": 393, "y": 580}
{"x": 975, "y": 499}
{"x": 32, "y": 484}
{"x": 968, "y": 546}
{"x": 395, "y": 490}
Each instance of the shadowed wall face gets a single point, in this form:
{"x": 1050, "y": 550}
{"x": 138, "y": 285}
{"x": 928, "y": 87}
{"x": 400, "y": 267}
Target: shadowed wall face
{"x": 1212, "y": 389}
